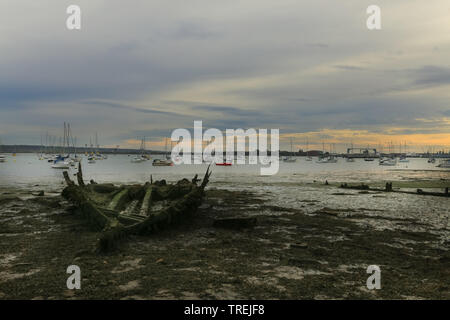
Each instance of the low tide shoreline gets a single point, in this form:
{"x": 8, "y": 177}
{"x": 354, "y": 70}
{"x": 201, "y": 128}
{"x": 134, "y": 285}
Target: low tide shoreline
{"x": 291, "y": 253}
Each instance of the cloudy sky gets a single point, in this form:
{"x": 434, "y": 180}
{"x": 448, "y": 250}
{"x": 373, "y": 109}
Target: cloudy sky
{"x": 310, "y": 68}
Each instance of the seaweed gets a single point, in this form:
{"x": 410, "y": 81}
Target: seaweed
{"x": 119, "y": 212}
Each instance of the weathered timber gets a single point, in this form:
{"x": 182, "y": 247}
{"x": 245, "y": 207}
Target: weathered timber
{"x": 94, "y": 216}
{"x": 134, "y": 209}
{"x": 80, "y": 175}
{"x": 146, "y": 202}
{"x": 389, "y": 188}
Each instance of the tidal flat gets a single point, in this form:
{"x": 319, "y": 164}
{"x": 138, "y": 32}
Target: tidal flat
{"x": 307, "y": 248}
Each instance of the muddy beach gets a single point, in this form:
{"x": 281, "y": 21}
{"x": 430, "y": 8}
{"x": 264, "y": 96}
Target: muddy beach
{"x": 308, "y": 251}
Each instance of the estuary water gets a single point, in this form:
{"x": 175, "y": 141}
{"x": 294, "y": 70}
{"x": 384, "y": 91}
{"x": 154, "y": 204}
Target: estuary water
{"x": 298, "y": 185}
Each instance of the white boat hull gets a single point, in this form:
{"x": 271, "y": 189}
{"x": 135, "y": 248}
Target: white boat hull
{"x": 62, "y": 165}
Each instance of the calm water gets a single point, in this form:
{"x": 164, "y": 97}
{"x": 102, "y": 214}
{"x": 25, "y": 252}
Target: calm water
{"x": 293, "y": 186}
{"x": 26, "y": 169}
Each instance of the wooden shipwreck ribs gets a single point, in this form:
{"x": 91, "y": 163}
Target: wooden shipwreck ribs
{"x": 133, "y": 209}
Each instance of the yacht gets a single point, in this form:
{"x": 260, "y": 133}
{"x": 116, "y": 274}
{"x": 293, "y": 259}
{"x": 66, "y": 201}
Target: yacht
{"x": 403, "y": 159}
{"x": 137, "y": 159}
{"x": 290, "y": 158}
{"x": 162, "y": 163}
{"x": 167, "y": 162}
{"x": 444, "y": 164}
{"x": 329, "y": 159}
{"x": 61, "y": 163}
{"x": 388, "y": 162}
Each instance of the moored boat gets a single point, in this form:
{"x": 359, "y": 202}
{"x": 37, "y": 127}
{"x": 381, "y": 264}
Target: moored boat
{"x": 444, "y": 164}
{"x": 162, "y": 163}
{"x": 403, "y": 159}
{"x": 329, "y": 159}
{"x": 224, "y": 164}
{"x": 388, "y": 162}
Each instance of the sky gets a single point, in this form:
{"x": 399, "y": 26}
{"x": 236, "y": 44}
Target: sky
{"x": 309, "y": 68}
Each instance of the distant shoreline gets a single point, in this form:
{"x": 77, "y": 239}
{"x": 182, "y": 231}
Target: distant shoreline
{"x": 81, "y": 150}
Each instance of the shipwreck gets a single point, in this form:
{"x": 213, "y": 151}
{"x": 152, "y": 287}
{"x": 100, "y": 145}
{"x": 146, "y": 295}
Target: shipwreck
{"x": 140, "y": 209}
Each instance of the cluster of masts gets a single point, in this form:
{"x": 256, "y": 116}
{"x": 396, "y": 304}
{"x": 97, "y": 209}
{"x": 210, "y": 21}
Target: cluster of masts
{"x": 65, "y": 155}
{"x": 143, "y": 156}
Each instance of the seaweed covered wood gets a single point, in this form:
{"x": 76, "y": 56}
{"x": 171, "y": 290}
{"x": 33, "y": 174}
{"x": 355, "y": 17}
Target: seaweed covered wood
{"x": 133, "y": 209}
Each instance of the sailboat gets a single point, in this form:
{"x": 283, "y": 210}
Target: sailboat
{"x": 97, "y": 154}
{"x": 326, "y": 159}
{"x": 225, "y": 163}
{"x": 167, "y": 162}
{"x": 348, "y": 158}
{"x": 308, "y": 157}
{"x": 2, "y": 156}
{"x": 444, "y": 164}
{"x": 91, "y": 156}
{"x": 140, "y": 158}
{"x": 387, "y": 162}
{"x": 403, "y": 156}
{"x": 61, "y": 162}
{"x": 289, "y": 158}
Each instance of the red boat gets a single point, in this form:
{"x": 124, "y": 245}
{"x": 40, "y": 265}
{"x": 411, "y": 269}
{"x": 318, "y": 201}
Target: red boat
{"x": 224, "y": 164}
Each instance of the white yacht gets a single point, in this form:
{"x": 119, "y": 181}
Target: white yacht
{"x": 61, "y": 163}
{"x": 290, "y": 158}
{"x": 387, "y": 162}
{"x": 329, "y": 159}
{"x": 137, "y": 159}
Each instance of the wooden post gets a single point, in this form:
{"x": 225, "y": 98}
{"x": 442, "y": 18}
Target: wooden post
{"x": 80, "y": 175}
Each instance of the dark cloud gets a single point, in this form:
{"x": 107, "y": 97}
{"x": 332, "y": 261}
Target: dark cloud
{"x": 115, "y": 105}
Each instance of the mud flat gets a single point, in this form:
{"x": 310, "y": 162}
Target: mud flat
{"x": 284, "y": 253}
